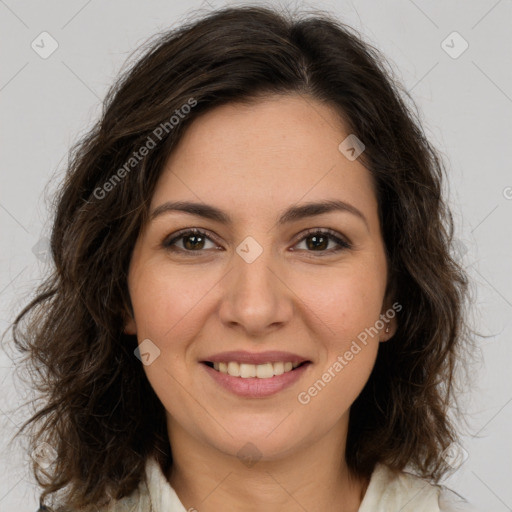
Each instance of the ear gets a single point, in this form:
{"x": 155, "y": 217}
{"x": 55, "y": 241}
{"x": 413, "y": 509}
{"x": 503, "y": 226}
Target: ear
{"x": 130, "y": 327}
{"x": 388, "y": 317}
{"x": 390, "y": 310}
{"x": 390, "y": 325}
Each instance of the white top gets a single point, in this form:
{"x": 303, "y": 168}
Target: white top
{"x": 388, "y": 491}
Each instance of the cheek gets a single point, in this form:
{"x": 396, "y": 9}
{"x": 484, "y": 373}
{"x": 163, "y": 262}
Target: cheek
{"x": 165, "y": 299}
{"x": 346, "y": 300}
{"x": 169, "y": 311}
{"x": 346, "y": 307}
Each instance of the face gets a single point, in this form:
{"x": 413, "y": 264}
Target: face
{"x": 309, "y": 285}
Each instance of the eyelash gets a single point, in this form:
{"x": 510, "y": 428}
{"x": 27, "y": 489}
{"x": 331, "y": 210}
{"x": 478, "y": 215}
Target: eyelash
{"x": 168, "y": 243}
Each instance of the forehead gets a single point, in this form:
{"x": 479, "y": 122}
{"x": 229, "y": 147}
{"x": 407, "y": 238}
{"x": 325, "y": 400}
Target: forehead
{"x": 268, "y": 154}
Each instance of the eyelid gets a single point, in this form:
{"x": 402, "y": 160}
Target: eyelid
{"x": 173, "y": 237}
{"x": 341, "y": 240}
{"x": 334, "y": 235}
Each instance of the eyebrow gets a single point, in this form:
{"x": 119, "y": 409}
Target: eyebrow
{"x": 292, "y": 214}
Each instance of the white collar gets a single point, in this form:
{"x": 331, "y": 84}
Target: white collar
{"x": 388, "y": 490}
{"x": 162, "y": 495}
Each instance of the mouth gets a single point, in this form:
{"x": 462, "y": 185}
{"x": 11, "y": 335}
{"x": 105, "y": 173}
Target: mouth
{"x": 251, "y": 381}
{"x": 261, "y": 371}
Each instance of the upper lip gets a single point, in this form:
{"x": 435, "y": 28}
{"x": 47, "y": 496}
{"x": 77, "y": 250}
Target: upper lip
{"x": 240, "y": 356}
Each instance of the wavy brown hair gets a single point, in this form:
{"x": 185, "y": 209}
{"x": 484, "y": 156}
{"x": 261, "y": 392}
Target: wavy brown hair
{"x": 99, "y": 413}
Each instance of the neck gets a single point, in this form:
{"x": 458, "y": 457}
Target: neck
{"x": 313, "y": 477}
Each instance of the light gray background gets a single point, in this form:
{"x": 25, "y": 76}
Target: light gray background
{"x": 466, "y": 103}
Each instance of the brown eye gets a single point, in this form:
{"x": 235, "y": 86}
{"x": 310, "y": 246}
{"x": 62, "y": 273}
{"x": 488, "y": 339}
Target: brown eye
{"x": 193, "y": 240}
{"x": 317, "y": 240}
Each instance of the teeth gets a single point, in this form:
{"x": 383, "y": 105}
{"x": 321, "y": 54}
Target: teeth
{"x": 233, "y": 369}
{"x": 261, "y": 371}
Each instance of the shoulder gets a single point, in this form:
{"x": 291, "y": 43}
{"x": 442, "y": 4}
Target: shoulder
{"x": 391, "y": 490}
{"x": 154, "y": 494}
{"x": 450, "y": 501}
{"x": 138, "y": 501}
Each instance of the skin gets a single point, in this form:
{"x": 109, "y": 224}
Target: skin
{"x": 253, "y": 162}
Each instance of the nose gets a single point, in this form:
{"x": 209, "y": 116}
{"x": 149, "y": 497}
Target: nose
{"x": 255, "y": 295}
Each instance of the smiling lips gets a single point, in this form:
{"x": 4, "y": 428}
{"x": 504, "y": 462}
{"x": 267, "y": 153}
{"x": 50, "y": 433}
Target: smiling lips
{"x": 255, "y": 375}
{"x": 262, "y": 365}
{"x": 261, "y": 371}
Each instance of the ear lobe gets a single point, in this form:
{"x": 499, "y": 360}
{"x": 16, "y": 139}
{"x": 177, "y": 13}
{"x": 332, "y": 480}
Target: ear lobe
{"x": 388, "y": 316}
{"x": 388, "y": 331}
{"x": 130, "y": 327}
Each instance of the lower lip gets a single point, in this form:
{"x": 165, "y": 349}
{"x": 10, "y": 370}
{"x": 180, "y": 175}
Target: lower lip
{"x": 254, "y": 387}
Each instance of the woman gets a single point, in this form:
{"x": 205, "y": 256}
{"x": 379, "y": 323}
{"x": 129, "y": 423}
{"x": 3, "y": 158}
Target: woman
{"x": 254, "y": 306}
